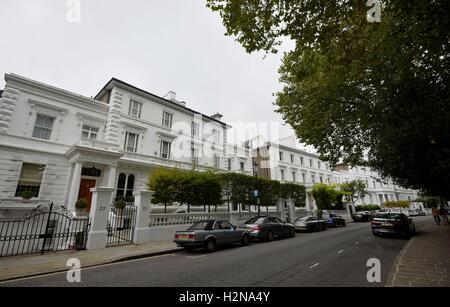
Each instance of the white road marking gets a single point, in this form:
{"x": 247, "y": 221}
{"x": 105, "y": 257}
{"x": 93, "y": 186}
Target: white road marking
{"x": 357, "y": 242}
{"x": 194, "y": 257}
{"x": 313, "y": 266}
{"x": 341, "y": 251}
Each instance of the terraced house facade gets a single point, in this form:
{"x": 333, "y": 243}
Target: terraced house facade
{"x": 59, "y": 144}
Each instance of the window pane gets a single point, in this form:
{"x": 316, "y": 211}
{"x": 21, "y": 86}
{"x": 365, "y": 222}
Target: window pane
{"x": 43, "y": 127}
{"x": 30, "y": 178}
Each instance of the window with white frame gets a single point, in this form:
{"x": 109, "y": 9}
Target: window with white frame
{"x": 319, "y": 165}
{"x": 282, "y": 174}
{"x": 281, "y": 156}
{"x": 229, "y": 164}
{"x": 292, "y": 158}
{"x": 301, "y": 160}
{"x": 30, "y": 179}
{"x": 310, "y": 162}
{"x": 125, "y": 185}
{"x": 135, "y": 109}
{"x": 43, "y": 127}
{"x": 165, "y": 150}
{"x": 131, "y": 142}
{"x": 195, "y": 129}
{"x": 89, "y": 132}
{"x": 194, "y": 155}
{"x": 167, "y": 119}
{"x": 216, "y": 136}
{"x": 242, "y": 166}
{"x": 313, "y": 178}
{"x": 294, "y": 176}
{"x": 303, "y": 178}
{"x": 216, "y": 161}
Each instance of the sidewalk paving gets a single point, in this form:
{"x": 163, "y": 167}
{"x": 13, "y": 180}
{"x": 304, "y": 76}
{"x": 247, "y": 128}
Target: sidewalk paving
{"x": 32, "y": 265}
{"x": 425, "y": 260}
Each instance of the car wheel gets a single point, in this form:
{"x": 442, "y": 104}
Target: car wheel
{"x": 375, "y": 233}
{"x": 244, "y": 240}
{"x": 293, "y": 233}
{"x": 270, "y": 236}
{"x": 210, "y": 245}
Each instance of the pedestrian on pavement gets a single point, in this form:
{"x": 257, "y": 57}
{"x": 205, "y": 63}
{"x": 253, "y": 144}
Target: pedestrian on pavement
{"x": 443, "y": 215}
{"x": 435, "y": 213}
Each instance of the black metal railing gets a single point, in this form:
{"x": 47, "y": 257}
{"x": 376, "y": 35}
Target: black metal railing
{"x": 121, "y": 224}
{"x": 46, "y": 229}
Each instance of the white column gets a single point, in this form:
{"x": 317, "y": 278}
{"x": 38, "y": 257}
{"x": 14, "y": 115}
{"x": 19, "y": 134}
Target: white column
{"x": 291, "y": 211}
{"x": 280, "y": 207}
{"x": 142, "y": 201}
{"x": 111, "y": 181}
{"x": 101, "y": 203}
{"x": 74, "y": 186}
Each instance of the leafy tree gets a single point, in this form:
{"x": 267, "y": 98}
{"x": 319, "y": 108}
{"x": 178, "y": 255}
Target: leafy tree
{"x": 354, "y": 190}
{"x": 162, "y": 183}
{"x": 326, "y": 196}
{"x": 295, "y": 192}
{"x": 372, "y": 94}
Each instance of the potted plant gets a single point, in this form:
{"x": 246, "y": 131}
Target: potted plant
{"x": 80, "y": 207}
{"x": 120, "y": 203}
{"x": 27, "y": 194}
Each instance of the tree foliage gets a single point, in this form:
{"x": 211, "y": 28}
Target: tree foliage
{"x": 327, "y": 197}
{"x": 354, "y": 190}
{"x": 374, "y": 94}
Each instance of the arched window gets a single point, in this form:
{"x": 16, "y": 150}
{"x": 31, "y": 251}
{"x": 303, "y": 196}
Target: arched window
{"x": 130, "y": 186}
{"x": 121, "y": 185}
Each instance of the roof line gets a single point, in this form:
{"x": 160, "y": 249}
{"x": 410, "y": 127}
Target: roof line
{"x": 157, "y": 97}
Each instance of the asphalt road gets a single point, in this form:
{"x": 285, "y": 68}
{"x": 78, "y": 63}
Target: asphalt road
{"x": 334, "y": 257}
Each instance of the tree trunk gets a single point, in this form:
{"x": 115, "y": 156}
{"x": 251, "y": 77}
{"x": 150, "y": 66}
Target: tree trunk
{"x": 165, "y": 208}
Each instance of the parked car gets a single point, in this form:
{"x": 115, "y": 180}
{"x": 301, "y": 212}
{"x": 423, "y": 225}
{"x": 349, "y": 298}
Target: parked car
{"x": 209, "y": 234}
{"x": 361, "y": 216}
{"x": 309, "y": 223}
{"x": 416, "y": 212}
{"x": 267, "y": 228}
{"x": 393, "y": 223}
{"x": 334, "y": 220}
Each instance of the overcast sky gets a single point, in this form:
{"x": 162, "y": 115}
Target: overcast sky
{"x": 156, "y": 45}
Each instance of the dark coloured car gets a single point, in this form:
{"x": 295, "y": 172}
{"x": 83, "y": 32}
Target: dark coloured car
{"x": 267, "y": 228}
{"x": 209, "y": 234}
{"x": 309, "y": 223}
{"x": 361, "y": 216}
{"x": 393, "y": 223}
{"x": 334, "y": 220}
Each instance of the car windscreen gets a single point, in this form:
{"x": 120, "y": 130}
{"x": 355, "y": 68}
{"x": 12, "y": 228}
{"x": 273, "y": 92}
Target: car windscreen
{"x": 256, "y": 220}
{"x": 301, "y": 219}
{"x": 201, "y": 225}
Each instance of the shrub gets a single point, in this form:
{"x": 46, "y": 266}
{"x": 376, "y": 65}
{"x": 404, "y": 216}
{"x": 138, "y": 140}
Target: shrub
{"x": 82, "y": 203}
{"x": 120, "y": 202}
{"x": 27, "y": 194}
{"x": 397, "y": 204}
{"x": 367, "y": 207}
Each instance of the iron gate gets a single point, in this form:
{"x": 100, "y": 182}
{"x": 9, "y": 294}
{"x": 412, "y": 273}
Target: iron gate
{"x": 121, "y": 224}
{"x": 47, "y": 228}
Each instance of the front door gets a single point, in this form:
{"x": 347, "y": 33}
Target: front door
{"x": 85, "y": 190}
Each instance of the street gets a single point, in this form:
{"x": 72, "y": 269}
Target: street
{"x": 335, "y": 257}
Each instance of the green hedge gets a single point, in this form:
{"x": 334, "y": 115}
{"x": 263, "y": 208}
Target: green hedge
{"x": 397, "y": 204}
{"x": 367, "y": 207}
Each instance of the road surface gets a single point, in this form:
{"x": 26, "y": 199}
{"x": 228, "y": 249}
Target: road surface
{"x": 334, "y": 257}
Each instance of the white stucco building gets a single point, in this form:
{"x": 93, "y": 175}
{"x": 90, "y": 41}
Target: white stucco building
{"x": 59, "y": 144}
{"x": 286, "y": 161}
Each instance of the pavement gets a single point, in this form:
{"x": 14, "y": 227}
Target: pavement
{"x": 425, "y": 260}
{"x": 33, "y": 265}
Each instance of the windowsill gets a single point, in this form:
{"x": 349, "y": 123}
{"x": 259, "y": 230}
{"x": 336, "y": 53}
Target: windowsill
{"x": 20, "y": 203}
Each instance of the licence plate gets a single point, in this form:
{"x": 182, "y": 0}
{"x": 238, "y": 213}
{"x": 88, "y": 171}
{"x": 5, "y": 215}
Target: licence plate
{"x": 183, "y": 237}
{"x": 387, "y": 225}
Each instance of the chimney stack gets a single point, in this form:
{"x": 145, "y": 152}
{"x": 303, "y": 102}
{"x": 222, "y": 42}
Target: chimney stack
{"x": 172, "y": 96}
{"x": 217, "y": 116}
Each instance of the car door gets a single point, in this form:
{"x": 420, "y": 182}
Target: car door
{"x": 230, "y": 234}
{"x": 311, "y": 223}
{"x": 285, "y": 229}
{"x": 218, "y": 233}
{"x": 276, "y": 226}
